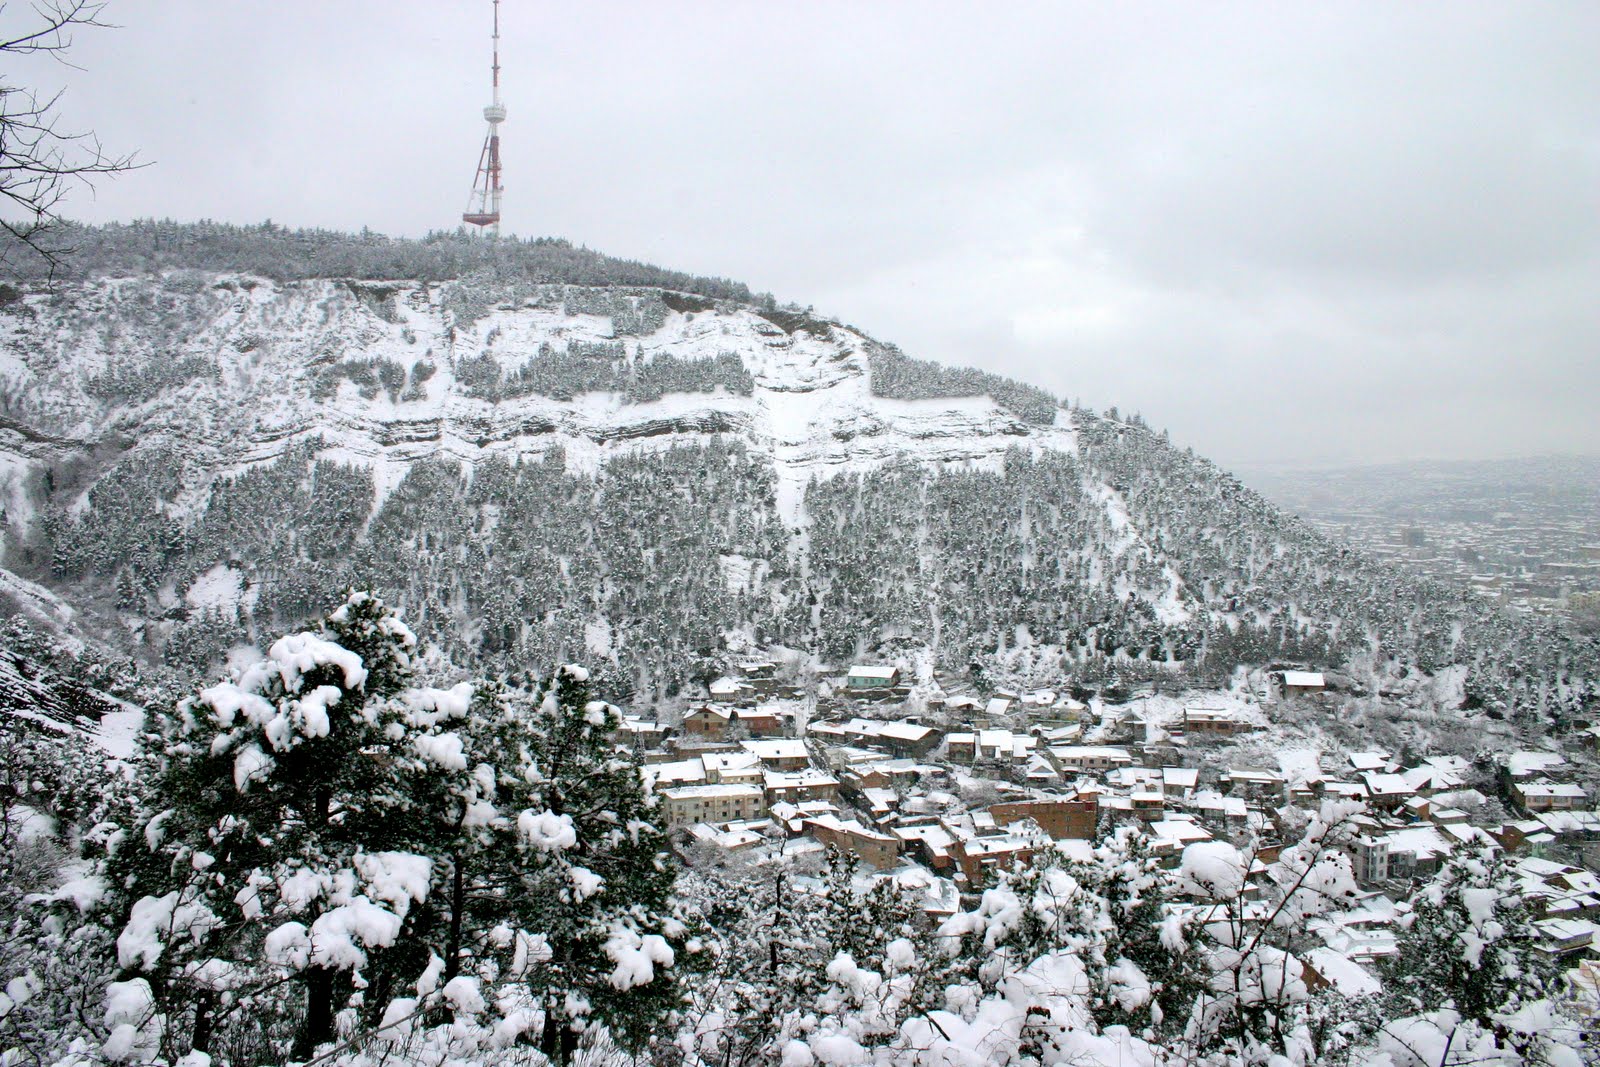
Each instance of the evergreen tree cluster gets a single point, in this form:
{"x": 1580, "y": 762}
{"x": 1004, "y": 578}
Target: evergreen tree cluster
{"x": 322, "y": 847}
{"x": 602, "y": 368}
{"x": 900, "y": 377}
{"x": 151, "y": 246}
{"x": 1126, "y": 561}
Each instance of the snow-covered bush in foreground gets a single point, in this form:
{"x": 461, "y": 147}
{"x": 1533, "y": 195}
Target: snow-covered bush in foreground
{"x": 328, "y": 852}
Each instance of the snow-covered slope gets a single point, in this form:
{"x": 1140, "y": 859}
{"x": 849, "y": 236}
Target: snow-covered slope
{"x": 248, "y": 352}
{"x": 651, "y": 478}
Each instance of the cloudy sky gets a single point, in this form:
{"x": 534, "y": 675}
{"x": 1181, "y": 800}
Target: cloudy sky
{"x": 1287, "y": 233}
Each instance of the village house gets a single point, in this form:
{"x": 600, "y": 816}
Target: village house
{"x": 686, "y": 804}
{"x": 640, "y": 733}
{"x": 732, "y": 691}
{"x": 1198, "y": 721}
{"x": 1060, "y": 817}
{"x": 1089, "y": 758}
{"x": 1518, "y": 765}
{"x": 961, "y": 747}
{"x": 758, "y": 721}
{"x": 1386, "y": 792}
{"x": 1362, "y": 762}
{"x": 977, "y": 857}
{"x": 928, "y": 842}
{"x": 737, "y": 836}
{"x": 1370, "y": 859}
{"x": 1256, "y": 783}
{"x": 1148, "y": 805}
{"x": 902, "y": 738}
{"x": 796, "y": 786}
{"x": 731, "y": 768}
{"x": 1226, "y": 815}
{"x": 865, "y": 679}
{"x": 1429, "y": 779}
{"x": 1292, "y": 684}
{"x": 908, "y": 739}
{"x": 1041, "y": 773}
{"x": 792, "y": 817}
{"x": 850, "y": 836}
{"x": 1179, "y": 782}
{"x": 1562, "y": 938}
{"x": 1541, "y": 794}
{"x": 1418, "y": 851}
{"x": 779, "y": 754}
{"x": 707, "y": 721}
{"x": 1003, "y": 746}
{"x": 1169, "y": 836}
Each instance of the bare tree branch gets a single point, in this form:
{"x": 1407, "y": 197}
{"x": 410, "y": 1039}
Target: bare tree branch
{"x": 39, "y": 161}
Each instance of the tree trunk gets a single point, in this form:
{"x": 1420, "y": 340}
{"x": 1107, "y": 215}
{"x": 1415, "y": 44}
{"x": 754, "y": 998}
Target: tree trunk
{"x": 458, "y": 905}
{"x": 557, "y": 1041}
{"x": 204, "y": 1007}
{"x": 317, "y": 1027}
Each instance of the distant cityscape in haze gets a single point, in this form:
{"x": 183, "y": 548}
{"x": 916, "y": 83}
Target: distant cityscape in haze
{"x": 1523, "y": 532}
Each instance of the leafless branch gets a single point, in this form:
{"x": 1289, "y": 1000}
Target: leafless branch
{"x": 40, "y": 161}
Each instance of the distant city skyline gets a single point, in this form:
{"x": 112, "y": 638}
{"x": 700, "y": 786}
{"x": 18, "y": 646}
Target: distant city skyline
{"x": 1343, "y": 235}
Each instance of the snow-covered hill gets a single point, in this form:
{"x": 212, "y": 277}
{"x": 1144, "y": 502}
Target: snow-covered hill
{"x": 653, "y": 478}
{"x": 230, "y": 367}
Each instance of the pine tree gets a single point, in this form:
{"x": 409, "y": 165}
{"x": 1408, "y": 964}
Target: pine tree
{"x": 1467, "y": 942}
{"x": 275, "y": 834}
{"x": 592, "y": 902}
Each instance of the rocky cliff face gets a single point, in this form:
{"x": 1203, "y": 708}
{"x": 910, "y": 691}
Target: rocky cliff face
{"x": 239, "y": 369}
{"x": 642, "y": 477}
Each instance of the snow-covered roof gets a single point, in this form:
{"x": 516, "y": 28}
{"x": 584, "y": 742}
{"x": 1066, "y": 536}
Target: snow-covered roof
{"x": 1343, "y": 973}
{"x": 1254, "y": 774}
{"x": 1386, "y": 785}
{"x": 849, "y": 826}
{"x": 1304, "y": 679}
{"x": 689, "y": 792}
{"x": 776, "y": 748}
{"x": 1551, "y": 789}
{"x": 1422, "y": 841}
{"x": 1523, "y": 764}
{"x": 880, "y": 672}
{"x": 905, "y": 731}
{"x": 1179, "y": 831}
{"x": 1077, "y": 752}
{"x": 810, "y": 777}
{"x": 723, "y": 762}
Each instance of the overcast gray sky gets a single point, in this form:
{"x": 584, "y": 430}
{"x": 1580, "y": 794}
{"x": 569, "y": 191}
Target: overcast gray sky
{"x": 1287, "y": 232}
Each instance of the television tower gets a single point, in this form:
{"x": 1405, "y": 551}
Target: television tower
{"x": 483, "y": 204}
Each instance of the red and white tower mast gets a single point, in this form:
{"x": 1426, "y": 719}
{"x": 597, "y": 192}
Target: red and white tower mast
{"x": 483, "y": 204}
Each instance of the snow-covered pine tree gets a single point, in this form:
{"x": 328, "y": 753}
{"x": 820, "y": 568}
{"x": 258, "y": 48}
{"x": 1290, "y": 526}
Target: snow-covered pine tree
{"x": 275, "y": 844}
{"x": 595, "y": 927}
{"x": 1149, "y": 978}
{"x": 1467, "y": 942}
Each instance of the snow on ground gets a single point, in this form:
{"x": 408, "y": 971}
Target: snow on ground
{"x": 37, "y": 601}
{"x": 118, "y": 731}
{"x": 219, "y": 587}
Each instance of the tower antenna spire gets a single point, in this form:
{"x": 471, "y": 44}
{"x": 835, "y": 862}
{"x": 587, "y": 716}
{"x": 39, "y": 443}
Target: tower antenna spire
{"x": 483, "y": 203}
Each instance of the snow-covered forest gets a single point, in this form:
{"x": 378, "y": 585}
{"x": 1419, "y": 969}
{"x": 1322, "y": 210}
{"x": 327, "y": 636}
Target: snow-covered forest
{"x": 333, "y": 857}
